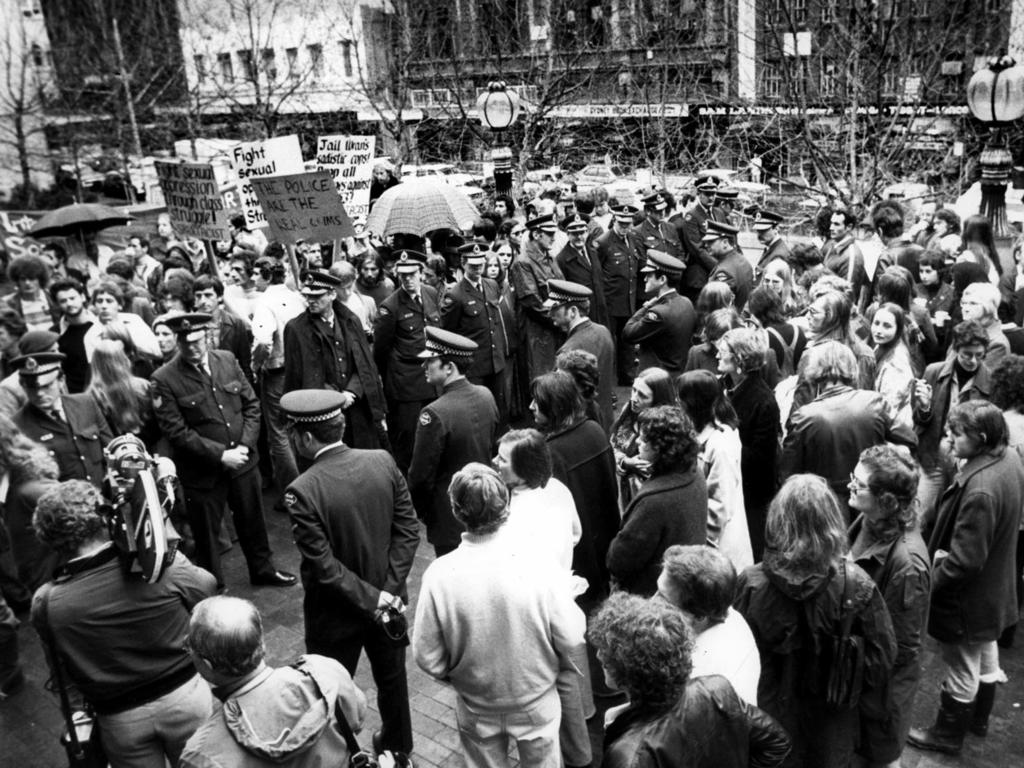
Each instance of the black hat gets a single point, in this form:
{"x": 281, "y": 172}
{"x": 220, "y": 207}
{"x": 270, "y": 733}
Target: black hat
{"x": 441, "y": 342}
{"x": 474, "y": 250}
{"x": 727, "y": 193}
{"x": 565, "y": 292}
{"x": 718, "y": 230}
{"x": 767, "y": 220}
{"x": 545, "y": 223}
{"x": 409, "y": 261}
{"x": 625, "y": 213}
{"x": 656, "y": 201}
{"x": 37, "y": 364}
{"x": 575, "y": 223}
{"x": 316, "y": 282}
{"x": 190, "y": 325}
{"x": 309, "y": 406}
{"x": 659, "y": 261}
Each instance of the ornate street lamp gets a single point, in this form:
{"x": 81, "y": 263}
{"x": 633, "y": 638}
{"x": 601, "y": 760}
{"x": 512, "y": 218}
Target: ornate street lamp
{"x": 498, "y": 108}
{"x": 995, "y": 95}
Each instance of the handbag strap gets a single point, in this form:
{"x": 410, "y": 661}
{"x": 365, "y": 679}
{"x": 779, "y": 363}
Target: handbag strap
{"x": 346, "y": 730}
{"x": 846, "y": 606}
{"x": 42, "y": 609}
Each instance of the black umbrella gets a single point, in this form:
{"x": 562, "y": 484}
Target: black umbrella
{"x": 77, "y": 219}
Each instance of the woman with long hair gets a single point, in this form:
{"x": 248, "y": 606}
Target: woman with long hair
{"x": 720, "y": 459}
{"x": 671, "y": 507}
{"x": 124, "y": 399}
{"x": 979, "y": 246}
{"x": 28, "y": 471}
{"x": 651, "y": 387}
{"x": 583, "y": 461}
{"x": 778, "y": 278}
{"x": 786, "y": 339}
{"x": 894, "y": 370}
{"x": 794, "y": 602}
{"x": 884, "y": 541}
{"x": 896, "y": 285}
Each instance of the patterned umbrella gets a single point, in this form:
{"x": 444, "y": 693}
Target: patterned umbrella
{"x": 78, "y": 218}
{"x": 418, "y": 206}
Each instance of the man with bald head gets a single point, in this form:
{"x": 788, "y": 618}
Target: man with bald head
{"x": 283, "y": 716}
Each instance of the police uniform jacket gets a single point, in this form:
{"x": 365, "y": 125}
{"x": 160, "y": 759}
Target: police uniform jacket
{"x": 76, "y": 444}
{"x": 203, "y": 415}
{"x": 579, "y": 265}
{"x": 476, "y": 314}
{"x": 308, "y": 349}
{"x": 354, "y": 525}
{"x": 621, "y": 257}
{"x": 597, "y": 340}
{"x": 735, "y": 270}
{"x": 776, "y": 249}
{"x": 530, "y": 274}
{"x": 661, "y": 237}
{"x": 699, "y": 263}
{"x": 663, "y": 328}
{"x": 398, "y": 336}
{"x": 457, "y": 428}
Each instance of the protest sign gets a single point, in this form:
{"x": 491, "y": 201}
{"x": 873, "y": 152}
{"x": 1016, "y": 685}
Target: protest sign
{"x": 193, "y": 200}
{"x": 350, "y": 161}
{"x": 272, "y": 157}
{"x": 302, "y": 206}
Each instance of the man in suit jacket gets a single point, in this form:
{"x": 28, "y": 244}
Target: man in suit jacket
{"x": 398, "y": 337}
{"x": 733, "y": 267}
{"x": 699, "y": 262}
{"x": 654, "y": 232}
{"x": 579, "y": 266}
{"x": 356, "y": 530}
{"x": 567, "y": 303}
{"x": 326, "y": 347}
{"x": 663, "y": 326}
{"x": 767, "y": 227}
{"x": 459, "y": 427}
{"x": 621, "y": 255}
{"x": 472, "y": 308}
{"x": 209, "y": 413}
{"x": 71, "y": 427}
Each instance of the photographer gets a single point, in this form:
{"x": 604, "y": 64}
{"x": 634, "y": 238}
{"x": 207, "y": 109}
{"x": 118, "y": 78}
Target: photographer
{"x": 119, "y": 639}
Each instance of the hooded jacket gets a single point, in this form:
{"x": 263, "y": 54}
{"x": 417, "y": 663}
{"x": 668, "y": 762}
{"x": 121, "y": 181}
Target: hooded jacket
{"x": 282, "y": 717}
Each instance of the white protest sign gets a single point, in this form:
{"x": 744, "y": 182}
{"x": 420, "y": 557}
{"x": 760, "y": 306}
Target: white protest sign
{"x": 350, "y": 161}
{"x": 271, "y": 157}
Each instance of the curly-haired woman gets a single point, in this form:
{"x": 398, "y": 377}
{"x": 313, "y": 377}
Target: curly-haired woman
{"x": 645, "y": 649}
{"x": 671, "y": 506}
{"x": 885, "y": 543}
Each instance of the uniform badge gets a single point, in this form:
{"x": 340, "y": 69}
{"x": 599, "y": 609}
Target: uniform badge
{"x": 407, "y": 314}
{"x": 383, "y": 310}
{"x": 157, "y": 402}
{"x": 425, "y": 418}
{"x": 290, "y": 499}
{"x": 448, "y": 301}
{"x": 47, "y": 436}
{"x": 471, "y": 302}
{"x": 651, "y": 316}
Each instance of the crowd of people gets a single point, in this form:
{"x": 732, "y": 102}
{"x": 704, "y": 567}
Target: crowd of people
{"x": 817, "y": 467}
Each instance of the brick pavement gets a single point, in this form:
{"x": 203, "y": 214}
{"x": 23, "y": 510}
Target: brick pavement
{"x": 30, "y": 722}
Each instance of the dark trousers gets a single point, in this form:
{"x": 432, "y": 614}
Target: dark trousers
{"x": 496, "y": 383}
{"x": 625, "y": 354}
{"x": 387, "y": 663}
{"x": 204, "y": 507}
{"x": 402, "y": 420}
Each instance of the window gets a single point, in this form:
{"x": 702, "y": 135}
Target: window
{"x": 269, "y": 64}
{"x": 890, "y": 82}
{"x": 316, "y": 59}
{"x": 772, "y": 81}
{"x": 798, "y": 11}
{"x": 773, "y": 11}
{"x": 828, "y": 80}
{"x": 247, "y": 63}
{"x": 291, "y": 55}
{"x": 828, "y": 11}
{"x": 346, "y": 57}
{"x": 200, "y": 62}
{"x": 227, "y": 70}
{"x": 993, "y": 6}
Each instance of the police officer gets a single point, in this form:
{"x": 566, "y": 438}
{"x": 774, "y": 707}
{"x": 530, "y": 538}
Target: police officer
{"x": 472, "y": 308}
{"x": 355, "y": 527}
{"x": 459, "y": 427}
{"x": 398, "y": 337}
{"x": 699, "y": 263}
{"x": 767, "y": 227}
{"x": 733, "y": 267}
{"x": 71, "y": 427}
{"x": 655, "y": 232}
{"x": 578, "y": 265}
{"x": 530, "y": 273}
{"x": 725, "y": 205}
{"x": 620, "y": 254}
{"x": 209, "y": 413}
{"x": 663, "y": 327}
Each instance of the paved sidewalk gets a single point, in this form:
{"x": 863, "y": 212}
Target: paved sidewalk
{"x": 30, "y": 722}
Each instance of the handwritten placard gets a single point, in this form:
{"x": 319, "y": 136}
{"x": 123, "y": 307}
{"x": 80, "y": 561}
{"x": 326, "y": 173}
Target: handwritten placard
{"x": 350, "y": 161}
{"x": 303, "y": 206}
{"x": 272, "y": 157}
{"x": 193, "y": 199}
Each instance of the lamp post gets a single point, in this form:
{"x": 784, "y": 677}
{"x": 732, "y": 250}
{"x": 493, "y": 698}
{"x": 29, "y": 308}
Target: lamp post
{"x": 995, "y": 96}
{"x": 498, "y": 108}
